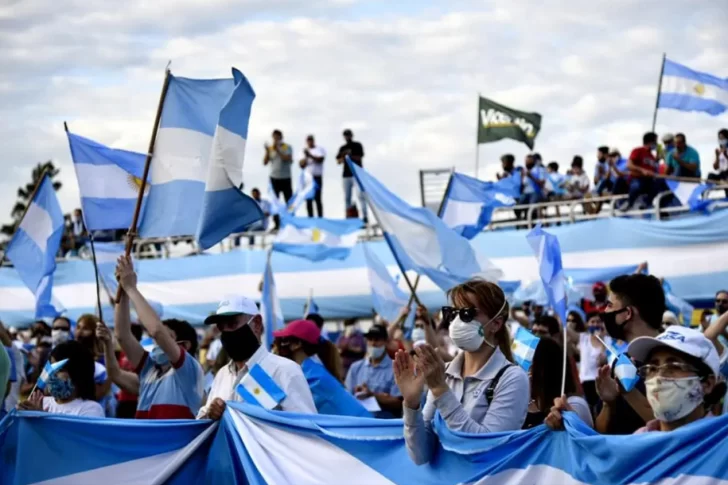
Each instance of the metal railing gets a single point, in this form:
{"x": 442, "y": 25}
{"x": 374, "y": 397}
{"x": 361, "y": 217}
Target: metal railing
{"x": 549, "y": 213}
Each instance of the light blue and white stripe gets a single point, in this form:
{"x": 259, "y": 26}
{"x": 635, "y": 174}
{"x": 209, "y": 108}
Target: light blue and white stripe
{"x": 387, "y": 298}
{"x": 524, "y": 347}
{"x": 317, "y": 239}
{"x": 685, "y": 89}
{"x": 270, "y": 305}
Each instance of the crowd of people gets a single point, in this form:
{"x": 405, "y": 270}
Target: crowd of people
{"x": 640, "y": 176}
{"x": 458, "y": 362}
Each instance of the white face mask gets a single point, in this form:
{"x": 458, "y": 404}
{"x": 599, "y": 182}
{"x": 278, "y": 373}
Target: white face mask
{"x": 723, "y": 142}
{"x": 59, "y": 336}
{"x": 470, "y": 336}
{"x": 418, "y": 334}
{"x": 375, "y": 353}
{"x": 672, "y": 399}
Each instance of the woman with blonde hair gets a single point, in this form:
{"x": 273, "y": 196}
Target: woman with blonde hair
{"x": 480, "y": 390}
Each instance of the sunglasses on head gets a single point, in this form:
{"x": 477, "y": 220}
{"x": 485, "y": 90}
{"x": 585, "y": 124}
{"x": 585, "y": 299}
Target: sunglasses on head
{"x": 466, "y": 314}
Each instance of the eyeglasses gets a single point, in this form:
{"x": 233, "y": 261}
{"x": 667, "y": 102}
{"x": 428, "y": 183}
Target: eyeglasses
{"x": 670, "y": 369}
{"x": 466, "y": 314}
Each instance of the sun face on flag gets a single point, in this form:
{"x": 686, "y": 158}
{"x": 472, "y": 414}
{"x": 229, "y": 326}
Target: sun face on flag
{"x": 256, "y": 391}
{"x": 135, "y": 183}
{"x": 699, "y": 89}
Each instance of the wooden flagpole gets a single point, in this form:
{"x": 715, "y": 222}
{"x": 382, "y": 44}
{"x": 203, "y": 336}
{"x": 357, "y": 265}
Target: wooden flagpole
{"x": 143, "y": 185}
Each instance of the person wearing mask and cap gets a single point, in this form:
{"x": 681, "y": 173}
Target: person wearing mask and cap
{"x": 373, "y": 375}
{"x": 241, "y": 328}
{"x": 480, "y": 390}
{"x": 301, "y": 342}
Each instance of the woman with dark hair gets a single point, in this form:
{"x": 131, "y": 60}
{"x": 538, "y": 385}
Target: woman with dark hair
{"x": 480, "y": 390}
{"x": 301, "y": 342}
{"x": 545, "y": 376}
{"x": 72, "y": 389}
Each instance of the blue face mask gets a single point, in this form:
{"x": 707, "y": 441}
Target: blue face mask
{"x": 158, "y": 356}
{"x": 60, "y": 388}
{"x": 593, "y": 330}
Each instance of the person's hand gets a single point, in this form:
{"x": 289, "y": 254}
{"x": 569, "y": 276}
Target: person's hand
{"x": 103, "y": 333}
{"x": 607, "y": 387}
{"x": 410, "y": 385}
{"x": 362, "y": 392}
{"x": 432, "y": 367}
{"x": 125, "y": 274}
{"x": 642, "y": 267}
{"x": 33, "y": 403}
{"x": 216, "y": 409}
{"x": 302, "y": 163}
{"x": 555, "y": 420}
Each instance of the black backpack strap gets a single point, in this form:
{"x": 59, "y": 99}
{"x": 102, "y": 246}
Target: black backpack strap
{"x": 490, "y": 390}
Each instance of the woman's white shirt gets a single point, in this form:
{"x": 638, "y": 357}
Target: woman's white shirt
{"x": 77, "y": 407}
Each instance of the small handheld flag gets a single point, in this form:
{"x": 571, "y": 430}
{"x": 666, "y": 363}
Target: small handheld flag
{"x": 524, "y": 346}
{"x": 624, "y": 369}
{"x": 48, "y": 371}
{"x": 259, "y": 389}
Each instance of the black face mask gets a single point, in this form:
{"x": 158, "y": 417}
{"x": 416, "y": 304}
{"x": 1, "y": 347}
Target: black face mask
{"x": 240, "y": 344}
{"x": 615, "y": 330}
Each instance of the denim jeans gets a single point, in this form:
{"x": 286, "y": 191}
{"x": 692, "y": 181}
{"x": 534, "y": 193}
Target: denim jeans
{"x": 349, "y": 184}
{"x": 532, "y": 198}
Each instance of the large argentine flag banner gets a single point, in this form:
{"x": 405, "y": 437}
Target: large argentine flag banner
{"x": 35, "y": 244}
{"x": 190, "y": 117}
{"x": 254, "y": 446}
{"x": 317, "y": 239}
{"x": 387, "y": 298}
{"x": 687, "y": 90}
{"x": 108, "y": 180}
{"x": 421, "y": 241}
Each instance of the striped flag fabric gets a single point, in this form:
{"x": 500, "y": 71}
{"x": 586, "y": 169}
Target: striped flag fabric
{"x": 524, "y": 346}
{"x": 48, "y": 371}
{"x": 259, "y": 389}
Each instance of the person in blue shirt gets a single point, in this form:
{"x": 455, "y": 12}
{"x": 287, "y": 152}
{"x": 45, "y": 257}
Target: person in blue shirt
{"x": 684, "y": 160}
{"x": 601, "y": 171}
{"x": 374, "y": 375}
{"x": 301, "y": 342}
{"x": 618, "y": 172}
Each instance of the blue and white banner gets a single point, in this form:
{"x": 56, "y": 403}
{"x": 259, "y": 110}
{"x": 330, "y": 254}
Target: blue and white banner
{"x": 317, "y": 239}
{"x": 685, "y": 89}
{"x": 548, "y": 253}
{"x": 387, "y": 298}
{"x": 689, "y": 252}
{"x": 107, "y": 254}
{"x": 34, "y": 247}
{"x": 677, "y": 305}
{"x": 270, "y": 305}
{"x": 306, "y": 190}
{"x": 225, "y": 208}
{"x": 259, "y": 447}
{"x": 689, "y": 194}
{"x": 421, "y": 241}
{"x": 259, "y": 389}
{"x": 469, "y": 203}
{"x": 109, "y": 180}
{"x": 524, "y": 347}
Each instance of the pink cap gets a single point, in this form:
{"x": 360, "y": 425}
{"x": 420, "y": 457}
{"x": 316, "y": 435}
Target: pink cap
{"x": 305, "y": 330}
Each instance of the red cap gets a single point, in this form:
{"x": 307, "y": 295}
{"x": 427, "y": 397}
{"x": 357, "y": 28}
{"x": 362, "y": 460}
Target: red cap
{"x": 599, "y": 286}
{"x": 305, "y": 330}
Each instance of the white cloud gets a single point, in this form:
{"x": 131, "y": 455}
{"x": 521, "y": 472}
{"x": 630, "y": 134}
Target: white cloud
{"x": 404, "y": 80}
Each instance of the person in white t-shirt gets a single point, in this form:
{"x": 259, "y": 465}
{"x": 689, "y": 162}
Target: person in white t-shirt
{"x": 720, "y": 165}
{"x": 72, "y": 389}
{"x": 313, "y": 161}
{"x": 592, "y": 355}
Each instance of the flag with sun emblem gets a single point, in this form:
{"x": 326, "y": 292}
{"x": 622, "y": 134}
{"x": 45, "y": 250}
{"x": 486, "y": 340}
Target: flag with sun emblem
{"x": 684, "y": 89}
{"x": 259, "y": 389}
{"x": 108, "y": 180}
{"x": 317, "y": 239}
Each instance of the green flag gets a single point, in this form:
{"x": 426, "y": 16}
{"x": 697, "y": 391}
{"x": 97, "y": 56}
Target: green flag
{"x": 496, "y": 122}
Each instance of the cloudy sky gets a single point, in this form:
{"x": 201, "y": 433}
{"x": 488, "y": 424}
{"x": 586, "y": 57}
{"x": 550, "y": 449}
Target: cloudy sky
{"x": 404, "y": 76}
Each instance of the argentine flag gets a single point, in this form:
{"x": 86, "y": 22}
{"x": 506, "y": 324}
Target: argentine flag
{"x": 689, "y": 194}
{"x": 548, "y": 253}
{"x": 48, "y": 371}
{"x": 684, "y": 89}
{"x": 276, "y": 206}
{"x": 387, "y": 298}
{"x": 524, "y": 346}
{"x": 35, "y": 244}
{"x": 624, "y": 369}
{"x": 270, "y": 305}
{"x": 306, "y": 190}
{"x": 108, "y": 180}
{"x": 317, "y": 239}
{"x": 311, "y": 308}
{"x": 675, "y": 304}
{"x": 106, "y": 256}
{"x": 225, "y": 208}
{"x": 420, "y": 240}
{"x": 259, "y": 389}
{"x": 469, "y": 203}
{"x": 196, "y": 113}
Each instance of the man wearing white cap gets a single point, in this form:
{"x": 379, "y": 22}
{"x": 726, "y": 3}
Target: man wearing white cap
{"x": 680, "y": 368}
{"x": 241, "y": 327}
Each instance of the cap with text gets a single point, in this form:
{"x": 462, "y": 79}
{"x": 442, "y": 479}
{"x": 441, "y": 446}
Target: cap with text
{"x": 683, "y": 339}
{"x": 230, "y": 306}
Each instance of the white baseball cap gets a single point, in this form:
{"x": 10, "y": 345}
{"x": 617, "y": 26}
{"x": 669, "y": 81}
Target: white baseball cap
{"x": 232, "y": 305}
{"x": 683, "y": 339}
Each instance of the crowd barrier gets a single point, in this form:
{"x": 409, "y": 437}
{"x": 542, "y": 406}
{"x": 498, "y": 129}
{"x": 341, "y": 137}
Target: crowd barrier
{"x": 254, "y": 446}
